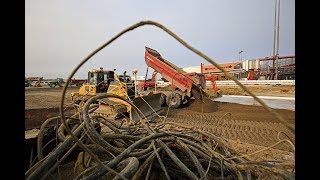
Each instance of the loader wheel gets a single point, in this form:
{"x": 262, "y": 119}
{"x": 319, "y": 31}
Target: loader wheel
{"x": 163, "y": 98}
{"x": 174, "y": 100}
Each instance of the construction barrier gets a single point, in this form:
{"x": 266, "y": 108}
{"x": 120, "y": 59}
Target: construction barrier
{"x": 255, "y": 82}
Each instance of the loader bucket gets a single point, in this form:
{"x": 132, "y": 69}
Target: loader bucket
{"x": 149, "y": 105}
{"x": 202, "y": 102}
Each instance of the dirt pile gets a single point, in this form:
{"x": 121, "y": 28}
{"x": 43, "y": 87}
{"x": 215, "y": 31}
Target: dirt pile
{"x": 201, "y": 102}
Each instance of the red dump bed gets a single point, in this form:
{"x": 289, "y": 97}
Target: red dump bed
{"x": 154, "y": 60}
{"x": 77, "y": 82}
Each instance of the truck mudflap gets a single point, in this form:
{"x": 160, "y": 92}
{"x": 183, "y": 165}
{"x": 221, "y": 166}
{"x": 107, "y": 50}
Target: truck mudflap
{"x": 149, "y": 105}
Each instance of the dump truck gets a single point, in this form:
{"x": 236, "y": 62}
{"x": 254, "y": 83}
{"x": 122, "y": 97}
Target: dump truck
{"x": 55, "y": 82}
{"x": 185, "y": 86}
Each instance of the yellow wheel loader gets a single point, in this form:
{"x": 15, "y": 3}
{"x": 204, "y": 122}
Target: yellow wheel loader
{"x": 107, "y": 81}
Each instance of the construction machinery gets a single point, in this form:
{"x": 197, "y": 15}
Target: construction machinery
{"x": 34, "y": 81}
{"x": 55, "y": 82}
{"x": 186, "y": 87}
{"x": 77, "y": 82}
{"x": 146, "y": 84}
{"x": 27, "y": 83}
{"x": 107, "y": 81}
{"x": 129, "y": 82}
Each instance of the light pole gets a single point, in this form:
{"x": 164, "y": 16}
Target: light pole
{"x": 240, "y": 59}
{"x": 240, "y": 55}
{"x": 276, "y": 37}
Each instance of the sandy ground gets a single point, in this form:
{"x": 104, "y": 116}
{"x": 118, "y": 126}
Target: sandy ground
{"x": 249, "y": 128}
{"x": 50, "y": 97}
{"x": 259, "y": 90}
{"x": 36, "y": 97}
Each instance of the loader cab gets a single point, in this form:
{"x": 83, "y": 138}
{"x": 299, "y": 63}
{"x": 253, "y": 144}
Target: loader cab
{"x": 101, "y": 79}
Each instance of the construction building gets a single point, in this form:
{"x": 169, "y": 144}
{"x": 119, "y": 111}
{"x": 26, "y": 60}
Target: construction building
{"x": 263, "y": 68}
{"x": 286, "y": 67}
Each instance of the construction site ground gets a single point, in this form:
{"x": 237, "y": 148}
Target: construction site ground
{"x": 259, "y": 90}
{"x": 247, "y": 128}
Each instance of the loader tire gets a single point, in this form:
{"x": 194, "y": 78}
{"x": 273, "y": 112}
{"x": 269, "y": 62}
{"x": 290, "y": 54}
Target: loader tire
{"x": 174, "y": 100}
{"x": 163, "y": 98}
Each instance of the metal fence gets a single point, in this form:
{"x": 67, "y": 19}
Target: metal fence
{"x": 256, "y": 82}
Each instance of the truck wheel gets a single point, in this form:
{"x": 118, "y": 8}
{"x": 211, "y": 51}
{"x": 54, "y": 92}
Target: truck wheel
{"x": 174, "y": 100}
{"x": 163, "y": 98}
{"x": 52, "y": 85}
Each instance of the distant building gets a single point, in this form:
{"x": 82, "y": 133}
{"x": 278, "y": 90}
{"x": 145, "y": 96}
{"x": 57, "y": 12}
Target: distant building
{"x": 196, "y": 69}
{"x": 234, "y": 68}
{"x": 286, "y": 67}
{"x": 139, "y": 78}
{"x": 263, "y": 68}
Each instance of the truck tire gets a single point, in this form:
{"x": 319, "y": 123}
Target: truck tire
{"x": 52, "y": 85}
{"x": 174, "y": 100}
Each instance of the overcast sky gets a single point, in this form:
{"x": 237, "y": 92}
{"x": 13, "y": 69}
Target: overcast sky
{"x": 59, "y": 34}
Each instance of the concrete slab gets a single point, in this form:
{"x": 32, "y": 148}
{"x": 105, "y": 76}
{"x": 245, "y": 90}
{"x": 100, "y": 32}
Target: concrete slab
{"x": 271, "y": 101}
